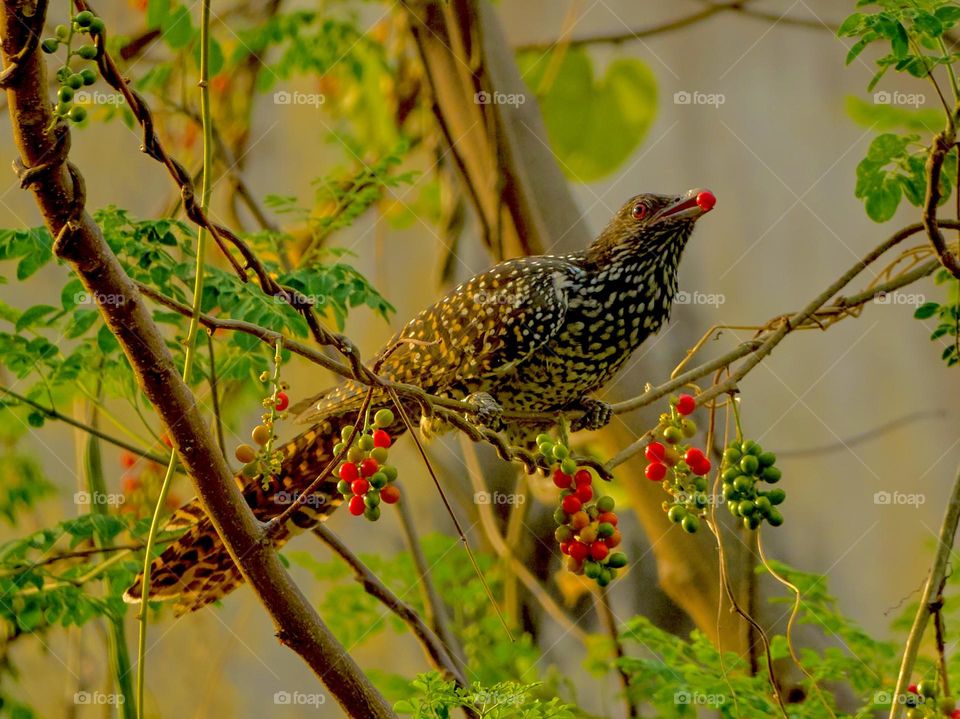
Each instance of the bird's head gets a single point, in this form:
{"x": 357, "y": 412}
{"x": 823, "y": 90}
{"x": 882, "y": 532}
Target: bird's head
{"x": 652, "y": 225}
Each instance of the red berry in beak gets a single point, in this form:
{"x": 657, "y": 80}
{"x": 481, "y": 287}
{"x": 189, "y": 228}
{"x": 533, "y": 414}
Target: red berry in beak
{"x": 706, "y": 200}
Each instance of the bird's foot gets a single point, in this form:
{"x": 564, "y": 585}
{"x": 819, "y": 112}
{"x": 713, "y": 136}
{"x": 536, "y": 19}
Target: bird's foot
{"x": 489, "y": 412}
{"x": 596, "y": 414}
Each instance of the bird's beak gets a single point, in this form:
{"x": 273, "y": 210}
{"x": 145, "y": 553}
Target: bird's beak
{"x": 689, "y": 206}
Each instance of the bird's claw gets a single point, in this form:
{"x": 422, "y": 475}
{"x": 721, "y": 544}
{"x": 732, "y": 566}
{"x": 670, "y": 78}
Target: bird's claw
{"x": 596, "y": 414}
{"x": 489, "y": 412}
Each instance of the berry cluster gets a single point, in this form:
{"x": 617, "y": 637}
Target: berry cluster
{"x": 587, "y": 529}
{"x": 365, "y": 477}
{"x": 921, "y": 702}
{"x": 744, "y": 464}
{"x": 263, "y": 459}
{"x": 681, "y": 468}
{"x": 84, "y": 22}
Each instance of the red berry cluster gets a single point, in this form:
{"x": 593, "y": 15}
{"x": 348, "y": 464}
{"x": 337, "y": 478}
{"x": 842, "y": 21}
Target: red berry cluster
{"x": 922, "y": 703}
{"x": 587, "y": 529}
{"x": 365, "y": 476}
{"x": 681, "y": 468}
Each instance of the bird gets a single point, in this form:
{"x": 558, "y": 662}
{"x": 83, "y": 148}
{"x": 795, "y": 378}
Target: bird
{"x": 537, "y": 334}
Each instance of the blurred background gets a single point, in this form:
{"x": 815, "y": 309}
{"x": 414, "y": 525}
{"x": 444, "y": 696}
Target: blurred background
{"x": 752, "y": 105}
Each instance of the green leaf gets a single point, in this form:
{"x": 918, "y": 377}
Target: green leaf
{"x": 594, "y": 123}
{"x": 157, "y": 12}
{"x": 81, "y": 321}
{"x": 216, "y": 56}
{"x": 177, "y": 28}
{"x": 33, "y": 316}
{"x": 892, "y": 117}
{"x": 882, "y": 204}
{"x": 852, "y": 25}
{"x": 947, "y": 15}
{"x": 926, "y": 310}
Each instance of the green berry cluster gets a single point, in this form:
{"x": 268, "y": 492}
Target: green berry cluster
{"x": 587, "y": 528}
{"x": 680, "y": 468}
{"x": 744, "y": 465}
{"x": 365, "y": 476}
{"x": 83, "y": 23}
{"x": 922, "y": 703}
{"x": 262, "y": 459}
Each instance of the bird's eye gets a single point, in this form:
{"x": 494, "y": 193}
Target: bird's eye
{"x": 639, "y": 211}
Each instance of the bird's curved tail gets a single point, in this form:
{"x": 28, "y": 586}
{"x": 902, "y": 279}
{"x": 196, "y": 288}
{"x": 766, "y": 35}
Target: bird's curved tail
{"x": 197, "y": 569}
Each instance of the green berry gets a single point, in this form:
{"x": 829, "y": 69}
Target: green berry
{"x": 89, "y": 76}
{"x": 752, "y": 521}
{"x": 50, "y": 45}
{"x": 776, "y": 496}
{"x": 771, "y": 474}
{"x": 592, "y": 570}
{"x": 751, "y": 447}
{"x": 690, "y": 524}
{"x": 731, "y": 455}
{"x": 688, "y": 427}
{"x": 346, "y": 432}
{"x": 372, "y": 513}
{"x": 354, "y": 454}
{"x": 730, "y": 492}
{"x": 543, "y": 438}
{"x": 378, "y": 480}
{"x": 383, "y": 418}
{"x": 763, "y": 505}
{"x": 731, "y": 473}
{"x": 65, "y": 93}
{"x": 338, "y": 448}
{"x": 83, "y": 18}
{"x": 75, "y": 81}
{"x": 63, "y": 108}
{"x": 672, "y": 435}
{"x": 371, "y": 499}
{"x": 617, "y": 560}
{"x": 767, "y": 459}
{"x": 700, "y": 483}
{"x": 605, "y": 529}
{"x": 563, "y": 533}
{"x": 749, "y": 464}
{"x": 365, "y": 442}
{"x": 97, "y": 26}
{"x": 390, "y": 471}
{"x": 343, "y": 486}
{"x": 380, "y": 454}
{"x": 62, "y": 32}
{"x": 546, "y": 449}
{"x": 742, "y": 483}
{"x": 560, "y": 517}
{"x": 87, "y": 52}
{"x": 746, "y": 508}
{"x": 568, "y": 466}
{"x": 775, "y": 519}
{"x": 561, "y": 452}
{"x": 606, "y": 504}
{"x": 676, "y": 514}
{"x": 604, "y": 578}
{"x": 927, "y": 688}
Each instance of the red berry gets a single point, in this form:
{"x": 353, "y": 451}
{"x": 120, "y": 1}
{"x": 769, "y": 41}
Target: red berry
{"x": 578, "y": 550}
{"x": 706, "y": 200}
{"x": 955, "y": 714}
{"x": 608, "y": 517}
{"x": 381, "y": 438}
{"x": 369, "y": 467}
{"x": 390, "y": 494}
{"x": 127, "y": 459}
{"x": 912, "y": 689}
{"x": 359, "y": 486}
{"x": 656, "y": 471}
{"x": 565, "y": 547}
{"x": 570, "y": 504}
{"x": 563, "y": 481}
{"x": 582, "y": 477}
{"x": 357, "y": 506}
{"x": 693, "y": 456}
{"x": 282, "y": 401}
{"x": 599, "y": 551}
{"x": 131, "y": 484}
{"x": 655, "y": 452}
{"x": 584, "y": 493}
{"x": 686, "y": 404}
{"x": 701, "y": 468}
{"x": 348, "y": 472}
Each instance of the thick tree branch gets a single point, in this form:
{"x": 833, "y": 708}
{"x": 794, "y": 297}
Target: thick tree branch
{"x": 943, "y": 142}
{"x": 57, "y": 186}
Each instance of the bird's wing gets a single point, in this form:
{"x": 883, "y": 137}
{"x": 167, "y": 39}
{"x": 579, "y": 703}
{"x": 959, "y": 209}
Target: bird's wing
{"x": 480, "y": 330}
